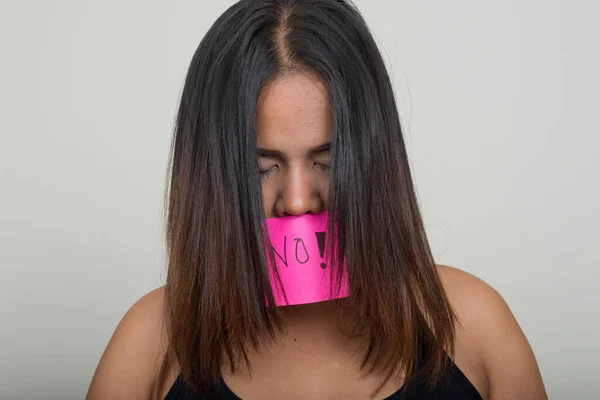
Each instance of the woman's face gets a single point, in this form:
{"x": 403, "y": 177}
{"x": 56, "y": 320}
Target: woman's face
{"x": 293, "y": 138}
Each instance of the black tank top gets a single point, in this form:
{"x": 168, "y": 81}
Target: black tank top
{"x": 455, "y": 387}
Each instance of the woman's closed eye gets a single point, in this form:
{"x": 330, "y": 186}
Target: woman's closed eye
{"x": 322, "y": 166}
{"x": 266, "y": 171}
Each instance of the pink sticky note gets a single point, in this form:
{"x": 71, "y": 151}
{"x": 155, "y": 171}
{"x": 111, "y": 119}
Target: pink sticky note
{"x": 299, "y": 247}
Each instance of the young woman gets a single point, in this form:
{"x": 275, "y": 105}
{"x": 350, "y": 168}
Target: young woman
{"x": 288, "y": 110}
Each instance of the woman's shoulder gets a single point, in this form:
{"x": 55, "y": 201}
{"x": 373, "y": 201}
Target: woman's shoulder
{"x": 471, "y": 296}
{"x": 491, "y": 349}
{"x": 132, "y": 359}
{"x": 480, "y": 309}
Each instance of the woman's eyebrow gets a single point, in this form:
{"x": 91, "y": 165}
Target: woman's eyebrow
{"x": 320, "y": 149}
{"x": 280, "y": 156}
{"x": 271, "y": 154}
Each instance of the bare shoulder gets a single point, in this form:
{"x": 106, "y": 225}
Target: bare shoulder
{"x": 131, "y": 361}
{"x": 490, "y": 341}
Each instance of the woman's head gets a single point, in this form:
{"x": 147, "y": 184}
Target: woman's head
{"x": 296, "y": 89}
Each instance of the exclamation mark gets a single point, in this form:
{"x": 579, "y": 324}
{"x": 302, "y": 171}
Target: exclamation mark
{"x": 321, "y": 243}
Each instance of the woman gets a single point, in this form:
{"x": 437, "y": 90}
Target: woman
{"x": 288, "y": 110}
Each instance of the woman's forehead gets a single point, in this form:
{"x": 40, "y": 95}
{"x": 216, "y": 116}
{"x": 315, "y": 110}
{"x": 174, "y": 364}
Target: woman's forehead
{"x": 293, "y": 108}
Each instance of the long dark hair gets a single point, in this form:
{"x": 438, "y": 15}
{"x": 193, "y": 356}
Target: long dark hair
{"x": 217, "y": 281}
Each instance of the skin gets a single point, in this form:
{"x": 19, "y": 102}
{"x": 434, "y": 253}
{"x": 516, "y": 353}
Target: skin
{"x": 311, "y": 360}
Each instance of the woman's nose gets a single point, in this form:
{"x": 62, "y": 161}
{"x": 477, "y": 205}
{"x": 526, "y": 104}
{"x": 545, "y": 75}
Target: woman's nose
{"x": 300, "y": 194}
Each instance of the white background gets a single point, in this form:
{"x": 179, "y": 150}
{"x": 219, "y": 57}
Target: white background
{"x": 499, "y": 102}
